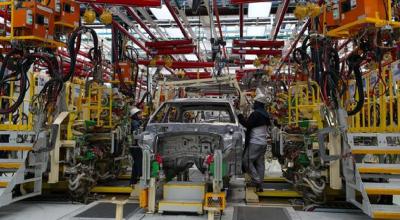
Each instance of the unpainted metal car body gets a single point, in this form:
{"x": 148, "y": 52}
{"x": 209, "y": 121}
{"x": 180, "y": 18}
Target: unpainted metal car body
{"x": 185, "y": 131}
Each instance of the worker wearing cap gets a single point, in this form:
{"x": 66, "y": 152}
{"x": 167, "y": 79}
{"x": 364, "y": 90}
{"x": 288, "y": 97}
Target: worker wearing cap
{"x": 136, "y": 151}
{"x": 256, "y": 141}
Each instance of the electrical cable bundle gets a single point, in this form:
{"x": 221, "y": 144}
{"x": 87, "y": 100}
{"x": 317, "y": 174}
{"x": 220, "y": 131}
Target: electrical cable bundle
{"x": 325, "y": 67}
{"x": 127, "y": 53}
{"x": 10, "y": 62}
{"x": 74, "y": 43}
{"x": 53, "y": 87}
{"x": 18, "y": 64}
{"x": 354, "y": 63}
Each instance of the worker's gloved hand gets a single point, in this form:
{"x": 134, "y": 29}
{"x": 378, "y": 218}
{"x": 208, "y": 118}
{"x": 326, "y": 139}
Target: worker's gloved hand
{"x": 238, "y": 112}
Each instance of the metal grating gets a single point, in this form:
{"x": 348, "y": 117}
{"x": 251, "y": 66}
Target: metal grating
{"x": 107, "y": 210}
{"x": 255, "y": 213}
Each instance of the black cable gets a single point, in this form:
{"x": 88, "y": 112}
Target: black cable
{"x": 73, "y": 48}
{"x": 9, "y": 63}
{"x": 354, "y": 62}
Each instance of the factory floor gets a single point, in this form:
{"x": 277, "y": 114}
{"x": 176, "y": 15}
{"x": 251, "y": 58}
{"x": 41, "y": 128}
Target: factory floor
{"x": 33, "y": 210}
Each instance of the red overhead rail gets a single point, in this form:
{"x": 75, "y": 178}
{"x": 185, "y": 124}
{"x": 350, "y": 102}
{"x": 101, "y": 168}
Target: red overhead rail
{"x": 216, "y": 12}
{"x": 139, "y": 21}
{"x": 257, "y": 52}
{"x": 174, "y": 50}
{"x": 198, "y": 75}
{"x": 258, "y": 43}
{"x": 169, "y": 43}
{"x": 281, "y": 16}
{"x": 247, "y": 1}
{"x": 136, "y": 3}
{"x": 180, "y": 64}
{"x": 294, "y": 44}
{"x": 249, "y": 62}
{"x": 99, "y": 10}
{"x": 178, "y": 22}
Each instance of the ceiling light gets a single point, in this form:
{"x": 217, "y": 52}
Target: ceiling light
{"x": 191, "y": 57}
{"x": 259, "y": 10}
{"x": 250, "y": 57}
{"x": 255, "y": 31}
{"x": 161, "y": 13}
{"x": 174, "y": 32}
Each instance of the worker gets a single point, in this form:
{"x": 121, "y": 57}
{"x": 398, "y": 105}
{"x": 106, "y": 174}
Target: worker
{"x": 256, "y": 141}
{"x": 136, "y": 151}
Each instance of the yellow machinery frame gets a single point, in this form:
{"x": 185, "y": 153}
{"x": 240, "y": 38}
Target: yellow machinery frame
{"x": 95, "y": 107}
{"x": 366, "y": 120}
{"x": 11, "y": 37}
{"x": 19, "y": 126}
{"x": 348, "y": 30}
{"x": 304, "y": 97}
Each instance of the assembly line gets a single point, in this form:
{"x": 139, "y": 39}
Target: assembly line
{"x": 200, "y": 109}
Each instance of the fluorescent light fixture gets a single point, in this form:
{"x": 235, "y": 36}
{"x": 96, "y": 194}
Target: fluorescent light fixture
{"x": 174, "y": 32}
{"x": 257, "y": 31}
{"x": 250, "y": 57}
{"x": 259, "y": 10}
{"x": 191, "y": 57}
{"x": 161, "y": 13}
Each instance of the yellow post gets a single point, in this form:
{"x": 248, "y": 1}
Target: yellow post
{"x": 289, "y": 105}
{"x": 368, "y": 103}
{"x": 296, "y": 99}
{"x": 110, "y": 110}
{"x": 398, "y": 105}
{"x": 99, "y": 107}
{"x": 382, "y": 100}
{"x": 391, "y": 102}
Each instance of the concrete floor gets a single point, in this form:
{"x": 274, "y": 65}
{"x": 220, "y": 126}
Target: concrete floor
{"x": 33, "y": 210}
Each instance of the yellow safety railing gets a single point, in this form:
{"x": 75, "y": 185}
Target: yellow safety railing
{"x": 74, "y": 92}
{"x": 381, "y": 109}
{"x": 24, "y": 117}
{"x": 97, "y": 105}
{"x": 304, "y": 102}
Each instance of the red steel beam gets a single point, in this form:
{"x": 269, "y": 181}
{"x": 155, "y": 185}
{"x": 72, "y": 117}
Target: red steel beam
{"x": 180, "y": 64}
{"x": 249, "y": 62}
{"x": 171, "y": 51}
{"x": 136, "y": 3}
{"x": 178, "y": 22}
{"x": 200, "y": 75}
{"x": 246, "y": 1}
{"x": 169, "y": 43}
{"x": 281, "y": 16}
{"x": 258, "y": 43}
{"x": 139, "y": 21}
{"x": 99, "y": 10}
{"x": 257, "y": 52}
{"x": 294, "y": 44}
{"x": 216, "y": 12}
